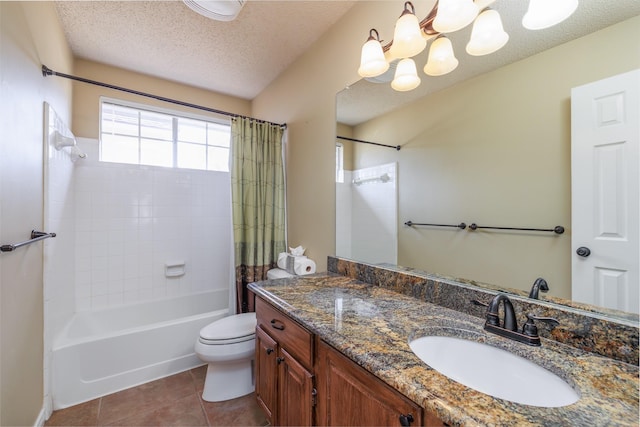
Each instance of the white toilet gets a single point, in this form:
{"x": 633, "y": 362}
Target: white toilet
{"x": 228, "y": 345}
{"x": 277, "y": 273}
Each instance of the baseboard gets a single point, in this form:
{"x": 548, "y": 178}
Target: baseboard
{"x": 42, "y": 417}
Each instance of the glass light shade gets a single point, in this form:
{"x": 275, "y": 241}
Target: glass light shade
{"x": 547, "y": 13}
{"x": 407, "y": 37}
{"x": 487, "y": 35}
{"x": 406, "y": 77}
{"x": 441, "y": 60}
{"x": 453, "y": 15}
{"x": 372, "y": 60}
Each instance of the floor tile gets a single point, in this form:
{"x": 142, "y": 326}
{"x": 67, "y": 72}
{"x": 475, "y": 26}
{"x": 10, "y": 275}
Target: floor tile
{"x": 172, "y": 401}
{"x": 199, "y": 375}
{"x": 183, "y": 412}
{"x": 84, "y": 414}
{"x": 146, "y": 397}
{"x": 243, "y": 411}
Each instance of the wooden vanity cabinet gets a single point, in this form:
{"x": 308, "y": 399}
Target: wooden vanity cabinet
{"x": 266, "y": 374}
{"x": 284, "y": 360}
{"x": 288, "y": 374}
{"x": 348, "y": 395}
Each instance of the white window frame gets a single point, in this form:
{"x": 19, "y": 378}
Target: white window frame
{"x": 174, "y": 113}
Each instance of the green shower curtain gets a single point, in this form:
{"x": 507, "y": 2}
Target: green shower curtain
{"x": 258, "y": 202}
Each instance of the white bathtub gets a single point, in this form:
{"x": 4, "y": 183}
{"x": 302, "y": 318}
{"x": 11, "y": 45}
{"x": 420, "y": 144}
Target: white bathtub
{"x": 101, "y": 352}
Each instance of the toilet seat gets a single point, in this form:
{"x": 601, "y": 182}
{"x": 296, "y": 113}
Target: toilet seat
{"x": 227, "y": 342}
{"x": 230, "y": 330}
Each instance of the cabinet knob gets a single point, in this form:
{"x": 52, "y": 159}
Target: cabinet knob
{"x": 406, "y": 420}
{"x": 269, "y": 351}
{"x": 279, "y": 360}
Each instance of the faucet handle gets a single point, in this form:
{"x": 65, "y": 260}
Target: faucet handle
{"x": 530, "y": 329}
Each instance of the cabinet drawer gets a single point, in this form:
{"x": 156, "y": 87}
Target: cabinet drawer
{"x": 290, "y": 335}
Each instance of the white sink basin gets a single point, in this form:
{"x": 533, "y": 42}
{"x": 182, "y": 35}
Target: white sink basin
{"x": 494, "y": 371}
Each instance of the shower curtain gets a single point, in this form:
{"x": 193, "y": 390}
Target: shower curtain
{"x": 258, "y": 202}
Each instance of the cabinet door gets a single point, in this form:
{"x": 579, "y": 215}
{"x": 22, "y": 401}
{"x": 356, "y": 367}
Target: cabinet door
{"x": 348, "y": 395}
{"x": 296, "y": 392}
{"x": 266, "y": 374}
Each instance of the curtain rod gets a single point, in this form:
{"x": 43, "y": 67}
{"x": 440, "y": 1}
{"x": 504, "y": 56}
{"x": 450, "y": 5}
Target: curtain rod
{"x": 397, "y": 147}
{"x": 46, "y": 71}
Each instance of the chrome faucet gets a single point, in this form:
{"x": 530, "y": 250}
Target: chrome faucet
{"x": 509, "y": 326}
{"x": 539, "y": 285}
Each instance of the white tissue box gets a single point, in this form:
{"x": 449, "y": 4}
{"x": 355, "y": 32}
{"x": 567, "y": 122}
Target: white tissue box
{"x": 291, "y": 261}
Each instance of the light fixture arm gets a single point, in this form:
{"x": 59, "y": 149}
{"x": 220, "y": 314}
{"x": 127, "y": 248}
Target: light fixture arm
{"x": 406, "y": 8}
{"x": 371, "y": 37}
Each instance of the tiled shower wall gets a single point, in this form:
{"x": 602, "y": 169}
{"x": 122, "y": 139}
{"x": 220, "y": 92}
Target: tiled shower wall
{"x": 371, "y": 232}
{"x": 133, "y": 220}
{"x": 343, "y": 215}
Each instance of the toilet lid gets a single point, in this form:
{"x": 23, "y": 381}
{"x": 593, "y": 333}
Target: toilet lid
{"x": 277, "y": 273}
{"x": 239, "y": 327}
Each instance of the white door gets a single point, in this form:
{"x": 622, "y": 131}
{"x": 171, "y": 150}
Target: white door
{"x": 605, "y": 191}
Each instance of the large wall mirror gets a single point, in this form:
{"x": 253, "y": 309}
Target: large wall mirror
{"x": 491, "y": 147}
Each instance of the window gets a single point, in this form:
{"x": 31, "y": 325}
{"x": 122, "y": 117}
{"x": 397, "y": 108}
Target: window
{"x": 130, "y": 134}
{"x": 339, "y": 162}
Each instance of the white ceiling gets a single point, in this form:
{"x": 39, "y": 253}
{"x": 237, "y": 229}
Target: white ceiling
{"x": 166, "y": 39}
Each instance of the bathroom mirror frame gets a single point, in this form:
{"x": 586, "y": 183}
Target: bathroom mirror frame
{"x": 357, "y": 92}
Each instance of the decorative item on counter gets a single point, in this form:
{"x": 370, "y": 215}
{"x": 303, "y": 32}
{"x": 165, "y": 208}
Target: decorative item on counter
{"x": 303, "y": 266}
{"x": 296, "y": 262}
{"x": 298, "y": 251}
{"x": 282, "y": 260}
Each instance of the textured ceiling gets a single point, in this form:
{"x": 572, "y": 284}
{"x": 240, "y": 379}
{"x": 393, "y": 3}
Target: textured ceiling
{"x": 166, "y": 39}
{"x": 591, "y": 15}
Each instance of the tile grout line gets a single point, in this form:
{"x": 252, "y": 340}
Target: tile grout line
{"x": 99, "y": 410}
{"x": 199, "y": 397}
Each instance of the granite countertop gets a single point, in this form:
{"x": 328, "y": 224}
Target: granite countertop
{"x": 373, "y": 326}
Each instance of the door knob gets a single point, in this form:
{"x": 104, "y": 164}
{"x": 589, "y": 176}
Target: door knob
{"x": 583, "y": 252}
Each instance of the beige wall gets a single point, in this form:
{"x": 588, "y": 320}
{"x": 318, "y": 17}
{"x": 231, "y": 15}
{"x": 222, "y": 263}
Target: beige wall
{"x": 348, "y": 146}
{"x": 86, "y": 97}
{"x": 30, "y": 36}
{"x": 527, "y": 144}
{"x": 495, "y": 150}
{"x": 304, "y": 97}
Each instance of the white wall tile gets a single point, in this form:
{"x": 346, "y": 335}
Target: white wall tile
{"x": 133, "y": 219}
{"x": 374, "y": 207}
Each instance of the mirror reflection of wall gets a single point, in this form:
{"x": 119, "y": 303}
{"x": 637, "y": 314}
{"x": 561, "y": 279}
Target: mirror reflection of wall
{"x": 495, "y": 150}
{"x": 366, "y": 209}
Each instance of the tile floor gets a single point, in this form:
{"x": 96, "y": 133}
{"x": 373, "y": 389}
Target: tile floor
{"x": 170, "y": 401}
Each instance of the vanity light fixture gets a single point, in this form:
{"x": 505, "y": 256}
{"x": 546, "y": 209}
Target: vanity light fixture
{"x": 547, "y": 13}
{"x": 487, "y": 35}
{"x": 373, "y": 61}
{"x": 406, "y": 77}
{"x": 411, "y": 36}
{"x": 441, "y": 60}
